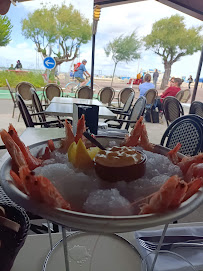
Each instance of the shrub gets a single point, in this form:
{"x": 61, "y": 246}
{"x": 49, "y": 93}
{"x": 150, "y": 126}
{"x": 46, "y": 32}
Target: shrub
{"x": 14, "y": 78}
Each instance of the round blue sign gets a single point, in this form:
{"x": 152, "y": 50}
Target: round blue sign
{"x": 49, "y": 63}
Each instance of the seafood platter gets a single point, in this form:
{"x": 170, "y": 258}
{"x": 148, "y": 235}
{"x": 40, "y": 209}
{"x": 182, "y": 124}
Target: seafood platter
{"x": 129, "y": 185}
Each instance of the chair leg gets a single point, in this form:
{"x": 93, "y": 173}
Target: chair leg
{"x": 151, "y": 116}
{"x": 13, "y": 112}
{"x": 19, "y": 117}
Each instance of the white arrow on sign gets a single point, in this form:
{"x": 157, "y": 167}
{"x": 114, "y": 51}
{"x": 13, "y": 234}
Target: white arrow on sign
{"x": 49, "y": 63}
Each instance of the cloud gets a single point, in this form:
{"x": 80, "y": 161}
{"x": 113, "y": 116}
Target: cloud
{"x": 114, "y": 21}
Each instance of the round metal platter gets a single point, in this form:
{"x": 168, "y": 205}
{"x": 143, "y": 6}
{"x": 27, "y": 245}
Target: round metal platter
{"x": 93, "y": 222}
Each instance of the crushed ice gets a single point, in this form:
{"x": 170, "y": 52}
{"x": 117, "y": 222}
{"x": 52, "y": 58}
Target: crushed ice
{"x": 87, "y": 192}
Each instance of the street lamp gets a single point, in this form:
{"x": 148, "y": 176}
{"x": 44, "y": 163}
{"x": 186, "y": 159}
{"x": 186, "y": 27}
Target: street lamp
{"x": 96, "y": 15}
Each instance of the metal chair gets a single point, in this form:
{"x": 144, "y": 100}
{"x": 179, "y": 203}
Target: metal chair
{"x": 39, "y": 107}
{"x": 15, "y": 105}
{"x": 23, "y": 88}
{"x": 187, "y": 130}
{"x": 124, "y": 112}
{"x": 52, "y": 90}
{"x": 27, "y": 117}
{"x": 150, "y": 96}
{"x": 196, "y": 108}
{"x": 137, "y": 111}
{"x": 186, "y": 96}
{"x": 84, "y": 92}
{"x": 172, "y": 109}
{"x": 179, "y": 95}
{"x": 106, "y": 95}
{"x": 123, "y": 95}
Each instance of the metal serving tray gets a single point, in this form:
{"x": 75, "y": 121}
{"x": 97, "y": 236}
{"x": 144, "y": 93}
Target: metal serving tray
{"x": 91, "y": 222}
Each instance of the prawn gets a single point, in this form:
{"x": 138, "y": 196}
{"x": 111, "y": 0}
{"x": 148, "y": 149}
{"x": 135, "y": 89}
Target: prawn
{"x": 187, "y": 161}
{"x": 194, "y": 171}
{"x": 169, "y": 196}
{"x": 144, "y": 140}
{"x": 69, "y": 138}
{"x": 81, "y": 128}
{"x": 173, "y": 156}
{"x": 193, "y": 187}
{"x": 32, "y": 161}
{"x": 41, "y": 189}
{"x": 13, "y": 149}
{"x": 132, "y": 140}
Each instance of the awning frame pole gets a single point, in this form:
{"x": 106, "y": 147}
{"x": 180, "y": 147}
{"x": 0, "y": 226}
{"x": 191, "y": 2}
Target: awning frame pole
{"x": 197, "y": 77}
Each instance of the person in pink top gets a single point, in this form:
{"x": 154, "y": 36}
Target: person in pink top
{"x": 172, "y": 90}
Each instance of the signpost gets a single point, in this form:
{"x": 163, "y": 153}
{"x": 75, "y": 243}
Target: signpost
{"x": 49, "y": 63}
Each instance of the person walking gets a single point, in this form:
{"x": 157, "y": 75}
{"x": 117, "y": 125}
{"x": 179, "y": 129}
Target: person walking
{"x": 155, "y": 77}
{"x": 190, "y": 79}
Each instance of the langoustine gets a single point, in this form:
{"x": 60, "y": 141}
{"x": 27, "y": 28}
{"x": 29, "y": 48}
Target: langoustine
{"x": 171, "y": 194}
{"x": 39, "y": 188}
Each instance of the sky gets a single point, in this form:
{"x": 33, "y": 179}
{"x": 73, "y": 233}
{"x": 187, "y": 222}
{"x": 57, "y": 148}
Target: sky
{"x": 114, "y": 21}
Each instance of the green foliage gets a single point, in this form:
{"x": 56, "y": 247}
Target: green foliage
{"x": 57, "y": 25}
{"x": 5, "y": 30}
{"x": 14, "y": 78}
{"x": 170, "y": 39}
{"x": 124, "y": 48}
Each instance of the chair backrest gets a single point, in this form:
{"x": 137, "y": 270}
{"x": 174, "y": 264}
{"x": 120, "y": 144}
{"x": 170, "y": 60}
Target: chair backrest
{"x": 84, "y": 92}
{"x": 123, "y": 95}
{"x": 179, "y": 95}
{"x": 137, "y": 111}
{"x": 9, "y": 88}
{"x": 23, "y": 88}
{"x": 172, "y": 109}
{"x": 186, "y": 130}
{"x": 150, "y": 96}
{"x": 196, "y": 108}
{"x": 52, "y": 90}
{"x": 186, "y": 96}
{"x": 106, "y": 95}
{"x": 24, "y": 111}
{"x": 129, "y": 102}
{"x": 38, "y": 106}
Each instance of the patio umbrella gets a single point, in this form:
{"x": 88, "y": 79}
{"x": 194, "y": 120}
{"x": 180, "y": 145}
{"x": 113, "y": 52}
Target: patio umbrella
{"x": 190, "y": 7}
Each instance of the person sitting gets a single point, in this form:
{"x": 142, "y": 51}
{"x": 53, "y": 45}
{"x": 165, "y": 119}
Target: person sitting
{"x": 146, "y": 85}
{"x": 18, "y": 65}
{"x": 79, "y": 73}
{"x": 170, "y": 91}
{"x": 11, "y": 68}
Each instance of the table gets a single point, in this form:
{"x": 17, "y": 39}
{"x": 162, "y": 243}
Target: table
{"x": 63, "y": 100}
{"x": 33, "y": 253}
{"x": 59, "y": 109}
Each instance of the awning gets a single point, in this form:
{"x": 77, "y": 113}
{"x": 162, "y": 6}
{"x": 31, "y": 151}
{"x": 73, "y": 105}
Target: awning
{"x": 190, "y": 7}
{"x": 5, "y": 5}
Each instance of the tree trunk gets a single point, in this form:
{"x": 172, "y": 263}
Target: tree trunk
{"x": 167, "y": 73}
{"x": 113, "y": 73}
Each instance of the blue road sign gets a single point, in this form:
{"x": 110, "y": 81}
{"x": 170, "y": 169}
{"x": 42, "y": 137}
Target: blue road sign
{"x": 49, "y": 63}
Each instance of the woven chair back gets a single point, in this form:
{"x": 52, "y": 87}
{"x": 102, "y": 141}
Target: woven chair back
{"x": 23, "y": 88}
{"x": 106, "y": 95}
{"x": 52, "y": 90}
{"x": 186, "y": 130}
{"x": 186, "y": 96}
{"x": 172, "y": 109}
{"x": 196, "y": 108}
{"x": 84, "y": 92}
